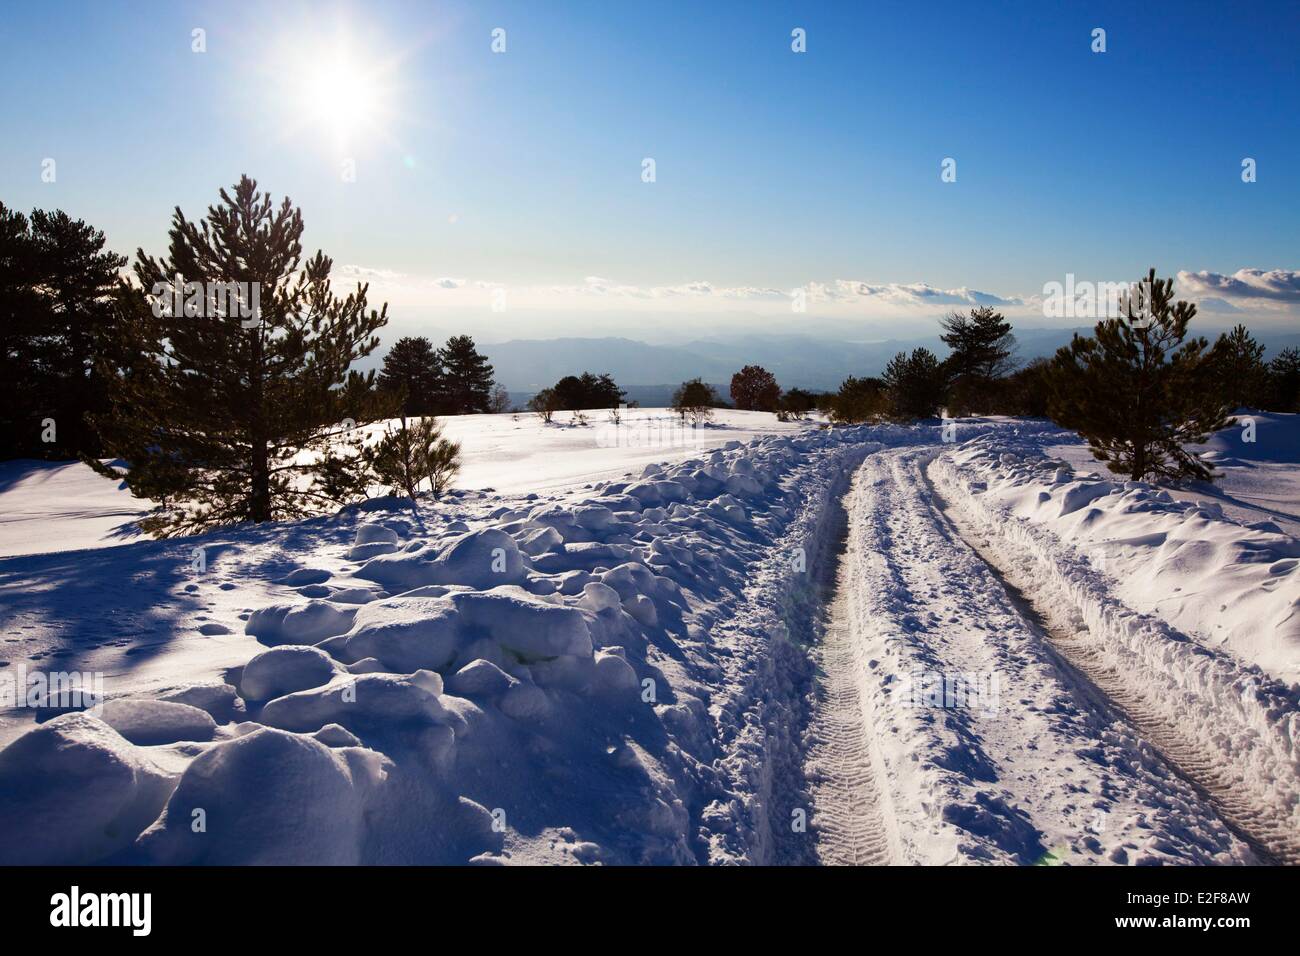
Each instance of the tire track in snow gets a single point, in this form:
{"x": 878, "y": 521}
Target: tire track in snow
{"x": 848, "y": 809}
{"x": 1078, "y": 653}
{"x": 969, "y": 779}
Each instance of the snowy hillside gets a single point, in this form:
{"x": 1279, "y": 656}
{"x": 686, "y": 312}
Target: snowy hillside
{"x": 776, "y": 644}
{"x": 65, "y": 506}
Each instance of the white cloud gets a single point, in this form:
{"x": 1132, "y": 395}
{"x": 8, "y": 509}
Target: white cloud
{"x": 366, "y": 274}
{"x": 1277, "y": 285}
{"x": 920, "y": 294}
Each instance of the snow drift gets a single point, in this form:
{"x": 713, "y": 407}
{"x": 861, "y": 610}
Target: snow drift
{"x": 584, "y": 680}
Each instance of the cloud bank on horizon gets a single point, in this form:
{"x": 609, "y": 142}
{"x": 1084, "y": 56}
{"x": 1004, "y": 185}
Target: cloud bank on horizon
{"x": 1269, "y": 297}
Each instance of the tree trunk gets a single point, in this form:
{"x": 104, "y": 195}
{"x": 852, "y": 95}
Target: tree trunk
{"x": 259, "y": 503}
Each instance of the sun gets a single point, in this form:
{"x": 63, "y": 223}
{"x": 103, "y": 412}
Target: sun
{"x": 338, "y": 89}
{"x": 339, "y": 96}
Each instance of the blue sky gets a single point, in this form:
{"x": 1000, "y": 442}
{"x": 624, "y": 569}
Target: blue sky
{"x": 774, "y": 170}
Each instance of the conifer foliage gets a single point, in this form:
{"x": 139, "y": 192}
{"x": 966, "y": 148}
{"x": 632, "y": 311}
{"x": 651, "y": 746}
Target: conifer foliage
{"x": 58, "y": 313}
{"x": 982, "y": 348}
{"x": 858, "y": 400}
{"x": 579, "y": 392}
{"x": 1138, "y": 393}
{"x": 1243, "y": 375}
{"x": 466, "y": 376}
{"x": 1284, "y": 380}
{"x": 695, "y": 400}
{"x": 915, "y": 384}
{"x": 236, "y": 419}
{"x": 412, "y": 374}
{"x": 414, "y": 452}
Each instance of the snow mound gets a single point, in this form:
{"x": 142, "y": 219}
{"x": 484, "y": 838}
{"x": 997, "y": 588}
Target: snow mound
{"x": 74, "y": 790}
{"x": 1257, "y": 437}
{"x": 298, "y": 623}
{"x": 283, "y": 670}
{"x": 479, "y": 559}
{"x": 366, "y": 700}
{"x": 372, "y": 540}
{"x": 218, "y": 698}
{"x": 301, "y": 576}
{"x": 406, "y": 633}
{"x": 151, "y": 722}
{"x": 268, "y": 798}
{"x": 526, "y": 626}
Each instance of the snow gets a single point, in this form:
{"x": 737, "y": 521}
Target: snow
{"x": 1029, "y": 765}
{"x": 63, "y": 506}
{"x": 1229, "y": 580}
{"x": 268, "y": 797}
{"x": 75, "y": 791}
{"x": 579, "y": 652}
{"x": 143, "y": 721}
{"x": 658, "y": 654}
{"x": 517, "y": 454}
{"x": 1202, "y": 669}
{"x": 283, "y": 670}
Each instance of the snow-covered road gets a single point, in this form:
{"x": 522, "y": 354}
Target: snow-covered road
{"x": 853, "y": 821}
{"x": 990, "y": 749}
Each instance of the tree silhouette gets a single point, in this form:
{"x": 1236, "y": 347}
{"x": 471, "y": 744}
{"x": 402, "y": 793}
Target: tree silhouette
{"x": 754, "y": 388}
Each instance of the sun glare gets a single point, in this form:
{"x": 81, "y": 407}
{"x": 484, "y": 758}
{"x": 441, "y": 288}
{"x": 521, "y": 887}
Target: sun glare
{"x": 339, "y": 96}
{"x": 339, "y": 91}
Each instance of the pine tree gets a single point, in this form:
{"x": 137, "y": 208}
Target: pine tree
{"x": 1027, "y": 390}
{"x": 413, "y": 370}
{"x": 467, "y": 376}
{"x": 798, "y": 402}
{"x": 19, "y": 308}
{"x": 57, "y": 285}
{"x": 1243, "y": 376}
{"x": 414, "y": 452}
{"x": 915, "y": 384}
{"x": 858, "y": 400}
{"x": 754, "y": 388}
{"x": 235, "y": 417}
{"x": 1139, "y": 394}
{"x": 982, "y": 348}
{"x": 1284, "y": 381}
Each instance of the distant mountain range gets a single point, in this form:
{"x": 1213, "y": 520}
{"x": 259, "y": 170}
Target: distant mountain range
{"x": 649, "y": 372}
